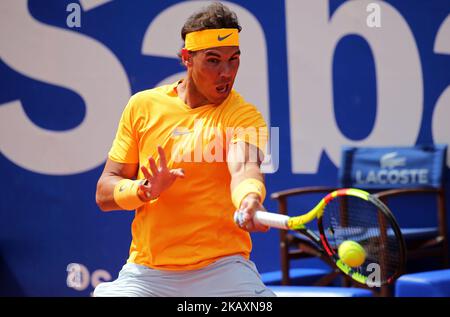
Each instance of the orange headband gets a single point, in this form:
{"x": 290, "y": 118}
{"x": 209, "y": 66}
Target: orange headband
{"x": 204, "y": 39}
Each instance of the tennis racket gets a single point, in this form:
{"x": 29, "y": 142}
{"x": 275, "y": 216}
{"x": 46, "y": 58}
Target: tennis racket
{"x": 350, "y": 215}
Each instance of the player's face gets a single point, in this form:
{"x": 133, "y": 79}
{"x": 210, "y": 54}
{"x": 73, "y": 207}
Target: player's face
{"x": 214, "y": 71}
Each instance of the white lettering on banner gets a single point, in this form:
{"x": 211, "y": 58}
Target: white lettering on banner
{"x": 99, "y": 276}
{"x": 311, "y": 41}
{"x": 84, "y": 65}
{"x": 66, "y": 59}
{"x": 255, "y": 89}
{"x": 401, "y": 176}
{"x": 74, "y": 17}
{"x": 79, "y": 278}
{"x": 441, "y": 115}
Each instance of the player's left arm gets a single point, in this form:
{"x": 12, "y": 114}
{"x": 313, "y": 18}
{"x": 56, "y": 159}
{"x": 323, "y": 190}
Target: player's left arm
{"x": 244, "y": 161}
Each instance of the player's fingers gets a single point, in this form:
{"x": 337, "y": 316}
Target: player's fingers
{"x": 153, "y": 166}
{"x": 251, "y": 225}
{"x": 162, "y": 158}
{"x": 246, "y": 215}
{"x": 146, "y": 173}
{"x": 145, "y": 191}
{"x": 252, "y": 206}
{"x": 243, "y": 223}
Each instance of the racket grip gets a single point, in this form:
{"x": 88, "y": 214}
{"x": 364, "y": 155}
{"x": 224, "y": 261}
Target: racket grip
{"x": 266, "y": 218}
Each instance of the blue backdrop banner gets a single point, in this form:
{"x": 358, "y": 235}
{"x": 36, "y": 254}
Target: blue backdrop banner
{"x": 323, "y": 73}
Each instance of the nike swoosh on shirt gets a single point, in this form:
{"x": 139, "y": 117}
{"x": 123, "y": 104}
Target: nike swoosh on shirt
{"x": 220, "y": 38}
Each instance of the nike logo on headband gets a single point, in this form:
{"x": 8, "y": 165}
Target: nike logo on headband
{"x": 219, "y": 38}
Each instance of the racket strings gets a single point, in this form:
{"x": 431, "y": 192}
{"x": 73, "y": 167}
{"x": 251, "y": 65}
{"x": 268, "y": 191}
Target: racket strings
{"x": 352, "y": 218}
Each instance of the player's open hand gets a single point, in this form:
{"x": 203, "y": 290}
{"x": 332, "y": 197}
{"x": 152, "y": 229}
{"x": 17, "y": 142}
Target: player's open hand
{"x": 159, "y": 179}
{"x": 249, "y": 206}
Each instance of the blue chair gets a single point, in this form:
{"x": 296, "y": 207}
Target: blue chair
{"x": 299, "y": 276}
{"x": 400, "y": 175}
{"x": 404, "y": 177}
{"x": 424, "y": 284}
{"x": 319, "y": 291}
{"x": 391, "y": 172}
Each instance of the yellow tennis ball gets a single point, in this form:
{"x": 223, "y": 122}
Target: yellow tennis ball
{"x": 352, "y": 253}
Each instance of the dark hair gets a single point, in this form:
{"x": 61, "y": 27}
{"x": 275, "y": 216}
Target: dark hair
{"x": 214, "y": 16}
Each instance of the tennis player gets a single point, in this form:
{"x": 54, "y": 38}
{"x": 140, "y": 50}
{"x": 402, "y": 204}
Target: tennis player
{"x": 183, "y": 158}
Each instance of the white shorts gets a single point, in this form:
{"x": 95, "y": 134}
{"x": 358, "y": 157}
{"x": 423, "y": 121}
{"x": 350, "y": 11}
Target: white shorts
{"x": 232, "y": 276}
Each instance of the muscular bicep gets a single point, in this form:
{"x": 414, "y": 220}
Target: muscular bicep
{"x": 111, "y": 175}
